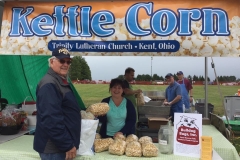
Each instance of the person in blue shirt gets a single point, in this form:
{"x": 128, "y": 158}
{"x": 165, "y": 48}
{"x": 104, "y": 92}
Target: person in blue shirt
{"x": 121, "y": 117}
{"x": 173, "y": 96}
{"x": 186, "y": 88}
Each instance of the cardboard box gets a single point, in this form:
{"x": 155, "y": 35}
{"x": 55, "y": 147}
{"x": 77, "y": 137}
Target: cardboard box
{"x": 156, "y": 122}
{"x": 206, "y": 121}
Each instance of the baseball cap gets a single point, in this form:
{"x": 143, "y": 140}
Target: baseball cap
{"x": 169, "y": 75}
{"x": 60, "y": 53}
{"x": 179, "y": 73}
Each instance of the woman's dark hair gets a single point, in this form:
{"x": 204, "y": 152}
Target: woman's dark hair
{"x": 115, "y": 82}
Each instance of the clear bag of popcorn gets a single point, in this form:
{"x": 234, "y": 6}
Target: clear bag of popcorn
{"x": 131, "y": 138}
{"x": 145, "y": 139}
{"x": 98, "y": 136}
{"x": 149, "y": 150}
{"x": 140, "y": 99}
{"x": 120, "y": 136}
{"x": 101, "y": 145}
{"x": 117, "y": 147}
{"x": 87, "y": 115}
{"x": 98, "y": 109}
{"x": 133, "y": 149}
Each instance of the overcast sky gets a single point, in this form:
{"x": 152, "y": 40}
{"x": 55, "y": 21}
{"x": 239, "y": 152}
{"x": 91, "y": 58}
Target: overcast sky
{"x": 108, "y": 67}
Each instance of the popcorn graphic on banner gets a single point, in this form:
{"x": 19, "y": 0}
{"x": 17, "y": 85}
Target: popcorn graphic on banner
{"x": 195, "y": 45}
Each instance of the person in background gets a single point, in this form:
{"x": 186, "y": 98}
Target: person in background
{"x": 57, "y": 134}
{"x": 121, "y": 117}
{"x": 173, "y": 96}
{"x": 129, "y": 93}
{"x": 186, "y": 88}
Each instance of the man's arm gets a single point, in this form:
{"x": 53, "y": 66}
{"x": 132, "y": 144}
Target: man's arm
{"x": 190, "y": 95}
{"x": 165, "y": 102}
{"x": 71, "y": 154}
{"x": 175, "y": 100}
{"x": 128, "y": 91}
{"x": 190, "y": 91}
{"x": 52, "y": 120}
{"x": 178, "y": 97}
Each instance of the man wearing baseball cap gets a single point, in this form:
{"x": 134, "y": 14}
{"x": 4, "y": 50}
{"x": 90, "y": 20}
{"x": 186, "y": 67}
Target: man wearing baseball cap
{"x": 186, "y": 87}
{"x": 58, "y": 125}
{"x": 173, "y": 96}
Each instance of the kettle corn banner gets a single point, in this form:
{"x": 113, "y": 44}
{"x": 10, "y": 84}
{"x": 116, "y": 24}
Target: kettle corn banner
{"x": 129, "y": 28}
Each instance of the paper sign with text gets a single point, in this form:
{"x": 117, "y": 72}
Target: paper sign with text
{"x": 187, "y": 134}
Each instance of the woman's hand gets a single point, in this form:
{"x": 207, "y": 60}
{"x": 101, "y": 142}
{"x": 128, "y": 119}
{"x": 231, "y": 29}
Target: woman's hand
{"x": 100, "y": 115}
{"x": 118, "y": 133}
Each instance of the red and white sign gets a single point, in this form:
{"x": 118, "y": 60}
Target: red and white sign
{"x": 187, "y": 133}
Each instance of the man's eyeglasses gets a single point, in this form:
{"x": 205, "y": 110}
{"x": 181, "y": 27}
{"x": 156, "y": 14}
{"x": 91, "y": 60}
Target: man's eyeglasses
{"x": 62, "y": 61}
{"x": 168, "y": 78}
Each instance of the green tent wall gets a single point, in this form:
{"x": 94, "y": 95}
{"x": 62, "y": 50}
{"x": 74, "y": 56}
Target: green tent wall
{"x": 19, "y": 76}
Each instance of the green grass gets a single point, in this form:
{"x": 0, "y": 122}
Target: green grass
{"x": 94, "y": 93}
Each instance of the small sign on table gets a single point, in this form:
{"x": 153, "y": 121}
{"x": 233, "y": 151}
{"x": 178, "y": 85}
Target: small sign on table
{"x": 187, "y": 134}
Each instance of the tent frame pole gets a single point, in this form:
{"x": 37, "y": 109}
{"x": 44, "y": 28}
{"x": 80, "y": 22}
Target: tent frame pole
{"x": 206, "y": 88}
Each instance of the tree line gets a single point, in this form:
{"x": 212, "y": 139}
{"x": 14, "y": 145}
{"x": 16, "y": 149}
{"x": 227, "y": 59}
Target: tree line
{"x": 155, "y": 77}
{"x": 79, "y": 69}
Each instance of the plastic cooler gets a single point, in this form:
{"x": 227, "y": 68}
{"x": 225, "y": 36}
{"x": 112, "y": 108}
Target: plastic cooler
{"x": 200, "y": 107}
{"x": 235, "y": 125}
